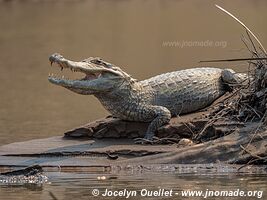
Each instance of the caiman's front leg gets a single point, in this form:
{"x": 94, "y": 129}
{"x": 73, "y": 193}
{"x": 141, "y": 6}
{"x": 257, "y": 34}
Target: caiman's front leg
{"x": 158, "y": 115}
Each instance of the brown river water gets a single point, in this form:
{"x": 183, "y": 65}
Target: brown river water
{"x": 145, "y": 38}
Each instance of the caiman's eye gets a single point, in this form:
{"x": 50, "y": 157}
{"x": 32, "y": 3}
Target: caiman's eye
{"x": 99, "y": 61}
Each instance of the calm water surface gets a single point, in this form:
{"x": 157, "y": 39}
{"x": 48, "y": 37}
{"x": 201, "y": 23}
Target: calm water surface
{"x": 128, "y": 33}
{"x": 82, "y": 185}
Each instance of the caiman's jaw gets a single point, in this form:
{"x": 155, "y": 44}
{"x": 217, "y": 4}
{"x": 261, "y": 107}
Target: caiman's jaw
{"x": 90, "y": 73}
{"x": 99, "y": 75}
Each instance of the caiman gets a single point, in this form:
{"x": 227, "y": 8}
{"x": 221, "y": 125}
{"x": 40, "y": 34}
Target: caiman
{"x": 153, "y": 100}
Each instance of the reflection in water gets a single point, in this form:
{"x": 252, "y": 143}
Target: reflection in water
{"x": 81, "y": 185}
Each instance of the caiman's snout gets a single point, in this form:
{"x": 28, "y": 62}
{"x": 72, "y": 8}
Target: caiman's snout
{"x": 92, "y": 71}
{"x": 95, "y": 72}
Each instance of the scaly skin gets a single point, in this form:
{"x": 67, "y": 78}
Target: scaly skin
{"x": 154, "y": 100}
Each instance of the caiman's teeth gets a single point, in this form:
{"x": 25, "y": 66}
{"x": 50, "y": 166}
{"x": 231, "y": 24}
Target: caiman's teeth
{"x": 99, "y": 75}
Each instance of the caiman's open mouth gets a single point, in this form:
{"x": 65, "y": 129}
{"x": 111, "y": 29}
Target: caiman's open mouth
{"x": 62, "y": 63}
{"x": 97, "y": 74}
{"x": 88, "y": 76}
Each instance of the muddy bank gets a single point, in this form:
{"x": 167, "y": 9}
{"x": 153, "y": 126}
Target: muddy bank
{"x": 222, "y": 141}
{"x": 86, "y": 146}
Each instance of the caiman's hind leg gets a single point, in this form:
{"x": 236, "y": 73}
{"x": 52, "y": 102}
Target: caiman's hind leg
{"x": 158, "y": 115}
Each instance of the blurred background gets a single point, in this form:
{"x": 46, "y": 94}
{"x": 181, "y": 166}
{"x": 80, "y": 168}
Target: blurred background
{"x": 144, "y": 37}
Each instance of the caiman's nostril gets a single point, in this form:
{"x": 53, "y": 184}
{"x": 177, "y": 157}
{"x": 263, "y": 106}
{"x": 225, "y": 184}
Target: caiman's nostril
{"x": 51, "y": 59}
{"x": 54, "y": 57}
